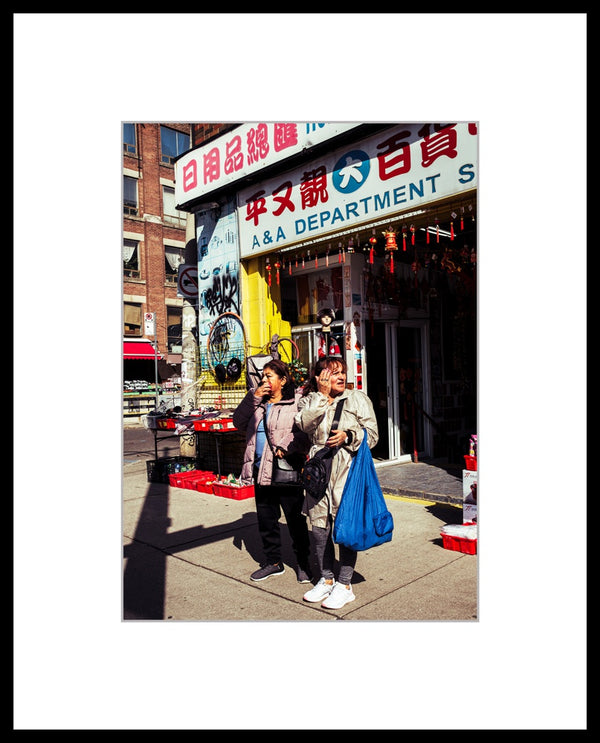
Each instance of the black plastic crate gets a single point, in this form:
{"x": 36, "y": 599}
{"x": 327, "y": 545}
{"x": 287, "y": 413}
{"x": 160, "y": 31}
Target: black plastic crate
{"x": 158, "y": 470}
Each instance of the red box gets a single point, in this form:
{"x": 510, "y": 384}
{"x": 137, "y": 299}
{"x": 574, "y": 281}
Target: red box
{"x": 471, "y": 463}
{"x": 215, "y": 424}
{"x": 231, "y": 491}
{"x": 460, "y": 544}
{"x": 200, "y": 480}
{"x": 165, "y": 423}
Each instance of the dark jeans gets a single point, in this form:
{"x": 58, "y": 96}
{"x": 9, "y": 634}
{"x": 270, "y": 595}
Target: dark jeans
{"x": 270, "y": 501}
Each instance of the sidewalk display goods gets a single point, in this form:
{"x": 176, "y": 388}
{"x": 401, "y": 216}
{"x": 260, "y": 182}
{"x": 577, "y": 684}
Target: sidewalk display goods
{"x": 363, "y": 520}
{"x": 158, "y": 470}
{"x": 469, "y": 489}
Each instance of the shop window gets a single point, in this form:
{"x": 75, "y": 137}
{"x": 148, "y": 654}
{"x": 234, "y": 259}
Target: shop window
{"x": 174, "y": 331}
{"x": 129, "y": 143}
{"x": 170, "y": 213}
{"x": 132, "y": 319}
{"x": 131, "y": 259}
{"x": 172, "y": 144}
{"x": 130, "y": 195}
{"x": 173, "y": 259}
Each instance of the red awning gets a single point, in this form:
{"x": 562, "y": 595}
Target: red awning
{"x": 139, "y": 350}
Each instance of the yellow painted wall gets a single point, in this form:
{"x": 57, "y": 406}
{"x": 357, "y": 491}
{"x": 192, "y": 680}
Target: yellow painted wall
{"x": 260, "y": 305}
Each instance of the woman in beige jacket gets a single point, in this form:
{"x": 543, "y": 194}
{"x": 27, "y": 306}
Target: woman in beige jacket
{"x": 324, "y": 390}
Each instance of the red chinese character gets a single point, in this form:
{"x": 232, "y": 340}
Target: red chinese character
{"x": 255, "y": 206}
{"x": 284, "y": 201}
{"x": 314, "y": 187}
{"x": 258, "y": 145}
{"x": 472, "y": 128}
{"x": 233, "y": 155}
{"x": 395, "y": 156}
{"x": 441, "y": 143}
{"x": 190, "y": 175}
{"x": 212, "y": 165}
{"x": 285, "y": 135}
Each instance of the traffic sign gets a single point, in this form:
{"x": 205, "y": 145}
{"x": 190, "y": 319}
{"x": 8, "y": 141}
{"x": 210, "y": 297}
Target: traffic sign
{"x": 187, "y": 280}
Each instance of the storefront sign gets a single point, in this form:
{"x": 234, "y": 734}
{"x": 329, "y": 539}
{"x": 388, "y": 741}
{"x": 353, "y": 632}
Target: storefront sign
{"x": 245, "y": 150}
{"x": 400, "y": 169}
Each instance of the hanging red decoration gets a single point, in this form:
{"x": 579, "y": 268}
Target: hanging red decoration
{"x": 351, "y": 244}
{"x": 373, "y": 243}
{"x": 427, "y": 234}
{"x": 316, "y": 260}
{"x": 268, "y": 267}
{"x": 327, "y": 255}
{"x": 453, "y": 216}
{"x": 437, "y": 230}
{"x": 412, "y": 237}
{"x": 462, "y": 217}
{"x": 391, "y": 245}
{"x": 289, "y": 268}
{"x": 277, "y": 267}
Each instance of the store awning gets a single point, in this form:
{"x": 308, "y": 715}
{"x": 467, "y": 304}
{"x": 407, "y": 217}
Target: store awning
{"x": 139, "y": 350}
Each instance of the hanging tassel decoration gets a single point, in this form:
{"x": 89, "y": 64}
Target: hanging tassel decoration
{"x": 372, "y": 242}
{"x": 412, "y": 237}
{"x": 453, "y": 215}
{"x": 462, "y": 217}
{"x": 437, "y": 230}
{"x": 327, "y": 255}
{"x": 277, "y": 267}
{"x": 427, "y": 234}
{"x": 268, "y": 267}
{"x": 403, "y": 237}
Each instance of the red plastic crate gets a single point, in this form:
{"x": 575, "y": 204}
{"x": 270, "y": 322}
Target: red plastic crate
{"x": 460, "y": 544}
{"x": 471, "y": 462}
{"x": 215, "y": 424}
{"x": 231, "y": 491}
{"x": 200, "y": 480}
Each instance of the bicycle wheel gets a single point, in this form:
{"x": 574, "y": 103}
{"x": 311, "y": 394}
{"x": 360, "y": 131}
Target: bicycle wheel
{"x": 226, "y": 347}
{"x": 288, "y": 350}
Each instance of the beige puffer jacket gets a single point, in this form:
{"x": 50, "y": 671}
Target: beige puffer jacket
{"x": 315, "y": 417}
{"x": 281, "y": 428}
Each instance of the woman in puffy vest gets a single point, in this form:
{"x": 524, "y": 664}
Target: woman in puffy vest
{"x": 274, "y": 404}
{"x": 325, "y": 388}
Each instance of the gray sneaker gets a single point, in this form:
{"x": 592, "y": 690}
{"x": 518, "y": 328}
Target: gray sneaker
{"x": 266, "y": 571}
{"x": 303, "y": 574}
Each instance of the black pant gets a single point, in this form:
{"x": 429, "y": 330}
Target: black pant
{"x": 270, "y": 501}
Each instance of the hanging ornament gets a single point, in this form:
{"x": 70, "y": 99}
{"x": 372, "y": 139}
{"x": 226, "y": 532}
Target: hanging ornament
{"x": 351, "y": 244}
{"x": 277, "y": 267}
{"x": 427, "y": 234}
{"x": 412, "y": 237}
{"x": 327, "y": 255}
{"x": 302, "y": 260}
{"x": 462, "y": 217}
{"x": 373, "y": 243}
{"x": 453, "y": 215}
{"x": 316, "y": 259}
{"x": 339, "y": 252}
{"x": 391, "y": 245}
{"x": 437, "y": 230}
{"x": 268, "y": 267}
{"x": 289, "y": 267}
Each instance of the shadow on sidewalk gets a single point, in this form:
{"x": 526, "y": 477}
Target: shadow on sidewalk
{"x": 144, "y": 577}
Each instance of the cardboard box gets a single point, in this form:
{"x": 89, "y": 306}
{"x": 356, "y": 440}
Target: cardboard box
{"x": 469, "y": 496}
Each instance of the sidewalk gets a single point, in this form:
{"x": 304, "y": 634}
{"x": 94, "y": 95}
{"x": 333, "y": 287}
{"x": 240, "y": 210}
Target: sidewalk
{"x": 188, "y": 556}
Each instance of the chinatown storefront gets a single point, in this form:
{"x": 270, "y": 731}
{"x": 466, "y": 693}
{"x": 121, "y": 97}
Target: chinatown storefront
{"x": 379, "y": 229}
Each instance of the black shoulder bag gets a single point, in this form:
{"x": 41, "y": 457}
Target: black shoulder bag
{"x": 284, "y": 473}
{"x": 317, "y": 470}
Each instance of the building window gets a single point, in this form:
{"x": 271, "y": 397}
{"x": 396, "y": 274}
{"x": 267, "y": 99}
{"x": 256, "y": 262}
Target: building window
{"x": 172, "y": 144}
{"x": 170, "y": 213}
{"x": 130, "y": 201}
{"x": 129, "y": 144}
{"x": 131, "y": 259}
{"x": 174, "y": 329}
{"x": 173, "y": 259}
{"x": 132, "y": 319}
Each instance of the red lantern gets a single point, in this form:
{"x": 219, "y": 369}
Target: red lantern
{"x": 268, "y": 267}
{"x": 391, "y": 245}
{"x": 277, "y": 267}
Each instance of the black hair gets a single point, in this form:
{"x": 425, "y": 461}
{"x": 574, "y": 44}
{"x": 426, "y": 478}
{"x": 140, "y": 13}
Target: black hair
{"x": 281, "y": 369}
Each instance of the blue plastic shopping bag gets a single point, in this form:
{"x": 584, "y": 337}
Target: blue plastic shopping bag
{"x": 362, "y": 520}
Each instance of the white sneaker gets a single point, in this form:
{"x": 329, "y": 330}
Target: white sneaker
{"x": 340, "y": 596}
{"x": 319, "y": 592}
